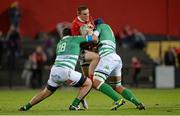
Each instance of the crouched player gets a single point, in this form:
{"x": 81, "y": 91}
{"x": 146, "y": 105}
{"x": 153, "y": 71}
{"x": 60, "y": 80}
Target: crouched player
{"x": 67, "y": 53}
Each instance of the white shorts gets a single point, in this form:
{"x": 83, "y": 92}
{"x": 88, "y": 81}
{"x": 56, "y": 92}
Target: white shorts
{"x": 59, "y": 75}
{"x": 110, "y": 65}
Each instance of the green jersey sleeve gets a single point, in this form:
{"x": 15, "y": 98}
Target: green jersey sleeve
{"x": 80, "y": 39}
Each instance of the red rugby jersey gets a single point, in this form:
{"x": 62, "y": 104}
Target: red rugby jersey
{"x": 76, "y": 24}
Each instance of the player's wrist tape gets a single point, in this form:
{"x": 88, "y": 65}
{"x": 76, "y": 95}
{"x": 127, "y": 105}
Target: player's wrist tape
{"x": 89, "y": 38}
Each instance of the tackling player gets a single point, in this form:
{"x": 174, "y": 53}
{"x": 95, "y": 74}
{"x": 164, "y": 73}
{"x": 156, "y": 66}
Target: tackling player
{"x": 109, "y": 67}
{"x": 63, "y": 71}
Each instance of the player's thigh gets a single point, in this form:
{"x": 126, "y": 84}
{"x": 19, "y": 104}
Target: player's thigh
{"x": 57, "y": 76}
{"x": 114, "y": 79}
{"x": 115, "y": 76}
{"x": 116, "y": 72}
{"x": 85, "y": 70}
{"x": 77, "y": 79}
{"x": 61, "y": 75}
{"x": 89, "y": 56}
{"x": 106, "y": 65}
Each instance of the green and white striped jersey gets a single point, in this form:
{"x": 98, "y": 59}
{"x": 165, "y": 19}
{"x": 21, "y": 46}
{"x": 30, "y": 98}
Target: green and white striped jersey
{"x": 106, "y": 39}
{"x": 68, "y": 50}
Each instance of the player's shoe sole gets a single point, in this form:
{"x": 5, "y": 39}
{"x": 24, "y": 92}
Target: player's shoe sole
{"x": 75, "y": 108}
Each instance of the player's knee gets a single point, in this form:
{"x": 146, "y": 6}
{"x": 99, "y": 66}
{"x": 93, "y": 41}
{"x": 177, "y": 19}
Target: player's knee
{"x": 84, "y": 81}
{"x": 97, "y": 83}
{"x": 50, "y": 88}
{"x": 89, "y": 56}
{"x": 88, "y": 82}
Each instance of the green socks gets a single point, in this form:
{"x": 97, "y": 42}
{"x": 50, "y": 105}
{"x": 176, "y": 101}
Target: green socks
{"x": 127, "y": 94}
{"x": 107, "y": 90}
{"x": 25, "y": 107}
{"x": 76, "y": 102}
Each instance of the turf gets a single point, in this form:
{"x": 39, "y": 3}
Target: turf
{"x": 157, "y": 101}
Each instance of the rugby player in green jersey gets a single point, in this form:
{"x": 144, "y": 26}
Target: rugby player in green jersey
{"x": 109, "y": 68}
{"x": 63, "y": 71}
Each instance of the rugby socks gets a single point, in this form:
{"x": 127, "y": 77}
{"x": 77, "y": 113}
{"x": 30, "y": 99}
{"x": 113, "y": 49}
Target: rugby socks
{"x": 26, "y": 107}
{"x": 127, "y": 94}
{"x": 107, "y": 90}
{"x": 76, "y": 102}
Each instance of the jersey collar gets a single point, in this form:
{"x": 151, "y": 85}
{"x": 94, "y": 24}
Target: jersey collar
{"x": 65, "y": 37}
{"x": 80, "y": 19}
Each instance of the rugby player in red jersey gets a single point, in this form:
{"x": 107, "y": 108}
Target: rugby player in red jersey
{"x": 89, "y": 59}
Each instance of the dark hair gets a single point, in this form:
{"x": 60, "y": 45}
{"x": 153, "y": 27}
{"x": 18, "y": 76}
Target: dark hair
{"x": 81, "y": 8}
{"x": 66, "y": 31}
{"x": 98, "y": 21}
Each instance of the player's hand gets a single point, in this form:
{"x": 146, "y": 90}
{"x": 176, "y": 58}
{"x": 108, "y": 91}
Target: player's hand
{"x": 89, "y": 31}
{"x": 89, "y": 25}
{"x": 84, "y": 30}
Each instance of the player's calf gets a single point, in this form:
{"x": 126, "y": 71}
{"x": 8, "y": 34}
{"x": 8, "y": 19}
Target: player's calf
{"x": 85, "y": 85}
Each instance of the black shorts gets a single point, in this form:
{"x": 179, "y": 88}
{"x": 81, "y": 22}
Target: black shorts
{"x": 80, "y": 82}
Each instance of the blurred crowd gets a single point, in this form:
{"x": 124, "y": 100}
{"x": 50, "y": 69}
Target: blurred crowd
{"x": 172, "y": 56}
{"x": 132, "y": 38}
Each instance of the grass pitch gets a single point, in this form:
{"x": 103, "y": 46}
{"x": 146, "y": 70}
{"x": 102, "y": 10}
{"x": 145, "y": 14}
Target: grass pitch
{"x": 157, "y": 101}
